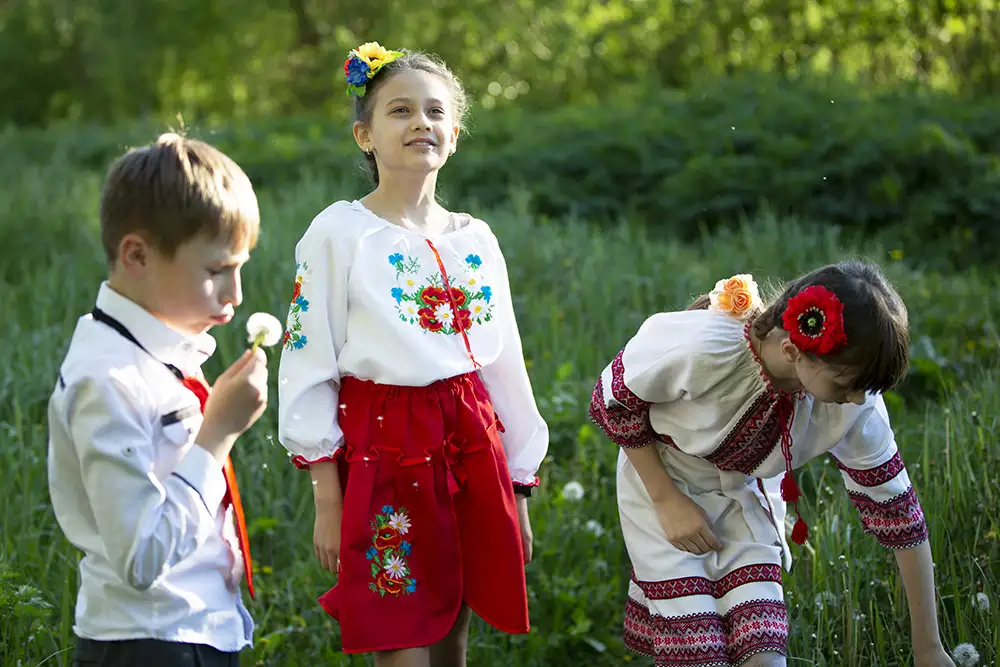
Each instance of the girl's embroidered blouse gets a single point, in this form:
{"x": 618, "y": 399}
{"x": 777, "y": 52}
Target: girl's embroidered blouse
{"x": 369, "y": 300}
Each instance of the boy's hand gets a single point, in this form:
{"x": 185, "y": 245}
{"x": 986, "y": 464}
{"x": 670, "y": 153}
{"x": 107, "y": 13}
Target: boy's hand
{"x": 238, "y": 399}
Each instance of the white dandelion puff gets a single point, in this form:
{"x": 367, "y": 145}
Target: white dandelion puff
{"x": 573, "y": 491}
{"x": 982, "y": 602}
{"x": 595, "y": 528}
{"x": 965, "y": 655}
{"x": 263, "y": 329}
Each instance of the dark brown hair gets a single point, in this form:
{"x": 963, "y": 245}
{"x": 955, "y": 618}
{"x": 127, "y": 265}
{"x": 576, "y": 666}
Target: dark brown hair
{"x": 875, "y": 321}
{"x": 173, "y": 190}
{"x": 410, "y": 60}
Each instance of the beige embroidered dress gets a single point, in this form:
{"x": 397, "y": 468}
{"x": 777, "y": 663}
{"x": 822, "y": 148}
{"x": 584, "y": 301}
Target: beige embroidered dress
{"x": 690, "y": 383}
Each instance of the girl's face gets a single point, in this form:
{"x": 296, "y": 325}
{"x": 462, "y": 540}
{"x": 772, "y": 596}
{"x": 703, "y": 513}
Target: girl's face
{"x": 413, "y": 127}
{"x": 827, "y": 383}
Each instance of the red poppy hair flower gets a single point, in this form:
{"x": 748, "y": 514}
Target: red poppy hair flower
{"x": 814, "y": 320}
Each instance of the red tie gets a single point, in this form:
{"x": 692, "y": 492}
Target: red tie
{"x": 200, "y": 389}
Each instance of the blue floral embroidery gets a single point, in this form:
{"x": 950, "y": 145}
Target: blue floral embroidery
{"x": 396, "y": 258}
{"x": 294, "y": 339}
{"x": 474, "y": 260}
{"x": 487, "y": 293}
{"x": 387, "y": 509}
{"x": 397, "y": 294}
{"x": 371, "y": 553}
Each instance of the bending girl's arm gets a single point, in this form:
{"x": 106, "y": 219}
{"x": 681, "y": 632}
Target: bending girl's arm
{"x": 917, "y": 569}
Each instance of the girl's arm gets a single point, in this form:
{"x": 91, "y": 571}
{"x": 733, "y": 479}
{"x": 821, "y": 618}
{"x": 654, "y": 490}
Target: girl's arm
{"x": 684, "y": 523}
{"x": 917, "y": 570}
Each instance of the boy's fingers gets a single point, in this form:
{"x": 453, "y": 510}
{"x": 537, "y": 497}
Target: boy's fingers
{"x": 238, "y": 365}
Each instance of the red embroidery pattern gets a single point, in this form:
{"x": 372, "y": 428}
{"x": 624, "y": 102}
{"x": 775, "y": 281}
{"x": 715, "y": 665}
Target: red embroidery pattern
{"x": 897, "y": 524}
{"x": 874, "y": 476}
{"x": 682, "y": 587}
{"x": 627, "y": 423}
{"x": 755, "y": 435}
{"x": 707, "y": 640}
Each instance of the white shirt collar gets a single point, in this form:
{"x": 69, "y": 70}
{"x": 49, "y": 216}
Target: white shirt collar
{"x": 164, "y": 343}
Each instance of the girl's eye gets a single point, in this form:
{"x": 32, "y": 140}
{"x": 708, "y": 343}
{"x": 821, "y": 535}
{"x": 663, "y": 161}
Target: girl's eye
{"x": 397, "y": 109}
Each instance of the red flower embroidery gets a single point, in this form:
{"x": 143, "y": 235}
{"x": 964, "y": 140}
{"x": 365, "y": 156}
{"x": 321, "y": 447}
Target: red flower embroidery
{"x": 429, "y": 321}
{"x": 814, "y": 320}
{"x": 387, "y": 537}
{"x": 388, "y": 584}
{"x": 461, "y": 321}
{"x": 297, "y": 290}
{"x": 434, "y": 296}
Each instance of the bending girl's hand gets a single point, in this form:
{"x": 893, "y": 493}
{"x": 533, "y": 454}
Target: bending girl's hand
{"x": 686, "y": 525}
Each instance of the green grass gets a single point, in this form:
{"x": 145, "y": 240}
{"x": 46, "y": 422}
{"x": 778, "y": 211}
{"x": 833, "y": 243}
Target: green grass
{"x": 580, "y": 295}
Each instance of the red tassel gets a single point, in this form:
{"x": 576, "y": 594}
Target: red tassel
{"x": 800, "y": 532}
{"x": 790, "y": 491}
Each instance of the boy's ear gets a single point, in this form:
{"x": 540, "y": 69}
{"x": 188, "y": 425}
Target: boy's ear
{"x": 134, "y": 254}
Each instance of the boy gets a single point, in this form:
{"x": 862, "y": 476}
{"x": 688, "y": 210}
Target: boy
{"x": 136, "y": 471}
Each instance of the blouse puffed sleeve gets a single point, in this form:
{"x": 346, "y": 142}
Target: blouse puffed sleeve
{"x": 525, "y": 434}
{"x": 876, "y": 479}
{"x": 316, "y": 330}
{"x": 654, "y": 367}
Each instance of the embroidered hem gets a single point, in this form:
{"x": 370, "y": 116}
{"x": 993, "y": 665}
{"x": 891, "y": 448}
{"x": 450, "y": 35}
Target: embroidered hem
{"x": 708, "y": 639}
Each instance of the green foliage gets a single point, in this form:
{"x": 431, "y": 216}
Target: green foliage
{"x": 921, "y": 172}
{"x": 581, "y": 290}
{"x": 924, "y": 172}
{"x": 112, "y": 60}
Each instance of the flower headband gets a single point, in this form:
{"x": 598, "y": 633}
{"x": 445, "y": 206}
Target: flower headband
{"x": 738, "y": 296}
{"x": 814, "y": 320}
{"x": 363, "y": 63}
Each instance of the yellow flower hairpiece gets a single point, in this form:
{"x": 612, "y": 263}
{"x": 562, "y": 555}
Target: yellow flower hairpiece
{"x": 737, "y": 296}
{"x": 363, "y": 63}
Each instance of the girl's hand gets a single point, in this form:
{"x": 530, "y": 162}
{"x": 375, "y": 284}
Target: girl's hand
{"x": 525, "y": 523}
{"x": 326, "y": 534}
{"x": 686, "y": 525}
{"x": 933, "y": 657}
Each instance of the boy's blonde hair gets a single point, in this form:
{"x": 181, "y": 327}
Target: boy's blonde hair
{"x": 173, "y": 190}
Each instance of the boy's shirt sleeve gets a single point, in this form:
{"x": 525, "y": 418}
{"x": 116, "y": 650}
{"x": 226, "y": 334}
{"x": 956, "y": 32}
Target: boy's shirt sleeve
{"x": 147, "y": 522}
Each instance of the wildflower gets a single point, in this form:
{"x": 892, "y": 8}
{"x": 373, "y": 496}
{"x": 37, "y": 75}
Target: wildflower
{"x": 573, "y": 491}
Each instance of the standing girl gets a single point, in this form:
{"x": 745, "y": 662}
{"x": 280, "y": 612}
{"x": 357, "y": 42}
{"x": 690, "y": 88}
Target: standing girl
{"x": 400, "y": 360}
{"x": 714, "y": 408}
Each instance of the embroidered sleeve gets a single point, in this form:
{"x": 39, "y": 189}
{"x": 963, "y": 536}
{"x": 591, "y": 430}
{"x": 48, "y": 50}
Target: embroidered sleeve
{"x": 876, "y": 479}
{"x": 652, "y": 368}
{"x": 308, "y": 375}
{"x": 525, "y": 434}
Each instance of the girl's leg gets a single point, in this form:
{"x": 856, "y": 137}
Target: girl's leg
{"x": 408, "y": 657}
{"x": 451, "y": 651}
{"x": 764, "y": 660}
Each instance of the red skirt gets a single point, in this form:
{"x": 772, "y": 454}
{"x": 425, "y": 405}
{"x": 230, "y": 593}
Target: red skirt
{"x": 429, "y": 517}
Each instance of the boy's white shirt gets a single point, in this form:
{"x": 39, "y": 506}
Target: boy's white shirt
{"x": 132, "y": 491}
